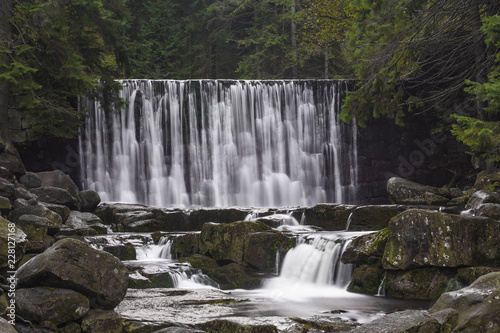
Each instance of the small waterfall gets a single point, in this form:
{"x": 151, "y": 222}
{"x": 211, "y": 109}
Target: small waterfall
{"x": 160, "y": 251}
{"x": 315, "y": 261}
{"x": 381, "y": 287}
{"x": 221, "y": 143}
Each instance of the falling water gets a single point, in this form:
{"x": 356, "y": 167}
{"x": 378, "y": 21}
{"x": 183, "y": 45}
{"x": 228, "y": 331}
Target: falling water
{"x": 221, "y": 143}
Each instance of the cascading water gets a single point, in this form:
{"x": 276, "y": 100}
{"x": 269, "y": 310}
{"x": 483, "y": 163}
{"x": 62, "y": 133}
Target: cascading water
{"x": 221, "y": 143}
{"x": 315, "y": 260}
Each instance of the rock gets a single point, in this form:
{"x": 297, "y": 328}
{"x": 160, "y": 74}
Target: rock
{"x": 325, "y": 324}
{"x": 467, "y": 275}
{"x": 10, "y": 161}
{"x": 69, "y": 327}
{"x": 366, "y": 279}
{"x": 482, "y": 197}
{"x": 30, "y": 180}
{"x": 35, "y": 228}
{"x": 478, "y": 305}
{"x": 186, "y": 245}
{"x": 9, "y": 229}
{"x": 422, "y": 238}
{"x": 72, "y": 264}
{"x": 367, "y": 218}
{"x": 21, "y": 193}
{"x": 364, "y": 247}
{"x": 23, "y": 207}
{"x": 124, "y": 251}
{"x": 331, "y": 217}
{"x": 61, "y": 210}
{"x": 228, "y": 241}
{"x": 260, "y": 252}
{"x": 5, "y": 327}
{"x": 89, "y": 200}
{"x": 58, "y": 306}
{"x": 54, "y": 195}
{"x": 5, "y": 205}
{"x": 409, "y": 321}
{"x": 4, "y": 173}
{"x": 487, "y": 180}
{"x": 6, "y": 189}
{"x": 99, "y": 321}
{"x": 405, "y": 192}
{"x": 488, "y": 210}
{"x": 139, "y": 218}
{"x": 200, "y": 216}
{"x": 230, "y": 276}
{"x": 224, "y": 325}
{"x": 421, "y": 283}
{"x": 81, "y": 222}
{"x": 59, "y": 179}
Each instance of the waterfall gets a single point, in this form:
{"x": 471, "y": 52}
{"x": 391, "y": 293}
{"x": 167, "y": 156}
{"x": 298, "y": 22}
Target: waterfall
{"x": 221, "y": 143}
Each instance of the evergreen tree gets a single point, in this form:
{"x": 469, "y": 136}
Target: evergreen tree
{"x": 59, "y": 50}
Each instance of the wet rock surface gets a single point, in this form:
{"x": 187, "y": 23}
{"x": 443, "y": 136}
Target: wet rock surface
{"x": 71, "y": 264}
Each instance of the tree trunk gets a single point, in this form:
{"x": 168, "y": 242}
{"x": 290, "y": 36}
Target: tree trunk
{"x": 5, "y": 43}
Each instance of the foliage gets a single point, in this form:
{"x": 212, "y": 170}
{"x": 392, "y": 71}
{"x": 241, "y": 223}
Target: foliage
{"x": 60, "y": 50}
{"x": 414, "y": 55}
{"x": 483, "y": 136}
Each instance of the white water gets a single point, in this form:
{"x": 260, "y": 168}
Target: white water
{"x": 313, "y": 268}
{"x": 221, "y": 143}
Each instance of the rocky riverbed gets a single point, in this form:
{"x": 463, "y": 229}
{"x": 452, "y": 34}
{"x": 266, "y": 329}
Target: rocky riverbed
{"x": 439, "y": 246}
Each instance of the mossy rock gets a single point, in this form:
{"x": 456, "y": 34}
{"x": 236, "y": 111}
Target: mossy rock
{"x": 228, "y": 241}
{"x": 227, "y": 326}
{"x": 422, "y": 238}
{"x": 51, "y": 304}
{"x": 20, "y": 242}
{"x": 467, "y": 275}
{"x": 360, "y": 249}
{"x": 35, "y": 228}
{"x": 186, "y": 245}
{"x": 125, "y": 251}
{"x": 331, "y": 217}
{"x": 366, "y": 279}
{"x": 368, "y": 218}
{"x": 421, "y": 283}
{"x": 228, "y": 276}
{"x": 97, "y": 321}
{"x": 477, "y": 306}
{"x": 262, "y": 248}
{"x": 488, "y": 180}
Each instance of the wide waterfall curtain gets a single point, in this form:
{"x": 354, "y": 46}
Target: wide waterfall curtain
{"x": 221, "y": 143}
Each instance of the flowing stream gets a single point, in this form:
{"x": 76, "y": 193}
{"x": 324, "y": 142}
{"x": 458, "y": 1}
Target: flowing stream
{"x": 221, "y": 143}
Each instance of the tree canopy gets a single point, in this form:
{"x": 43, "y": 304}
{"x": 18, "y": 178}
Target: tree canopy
{"x": 407, "y": 55}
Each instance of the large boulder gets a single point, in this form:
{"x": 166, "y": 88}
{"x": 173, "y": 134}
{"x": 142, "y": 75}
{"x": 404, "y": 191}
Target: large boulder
{"x": 89, "y": 200}
{"x": 478, "y": 305}
{"x": 23, "y": 207}
{"x": 6, "y": 189}
{"x": 364, "y": 247}
{"x": 487, "y": 180}
{"x": 367, "y": 218}
{"x": 81, "y": 222}
{"x": 9, "y": 232}
{"x": 56, "y": 305}
{"x": 72, "y": 264}
{"x": 55, "y": 195}
{"x": 30, "y": 180}
{"x": 482, "y": 197}
{"x": 59, "y": 179}
{"x": 332, "y": 217}
{"x": 411, "y": 321}
{"x": 35, "y": 228}
{"x": 488, "y": 210}
{"x": 421, "y": 283}
{"x": 262, "y": 247}
{"x": 422, "y": 238}
{"x": 229, "y": 242}
{"x": 405, "y": 192}
{"x": 98, "y": 321}
{"x": 198, "y": 217}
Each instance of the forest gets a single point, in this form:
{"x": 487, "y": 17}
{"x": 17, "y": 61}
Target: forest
{"x": 434, "y": 56}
